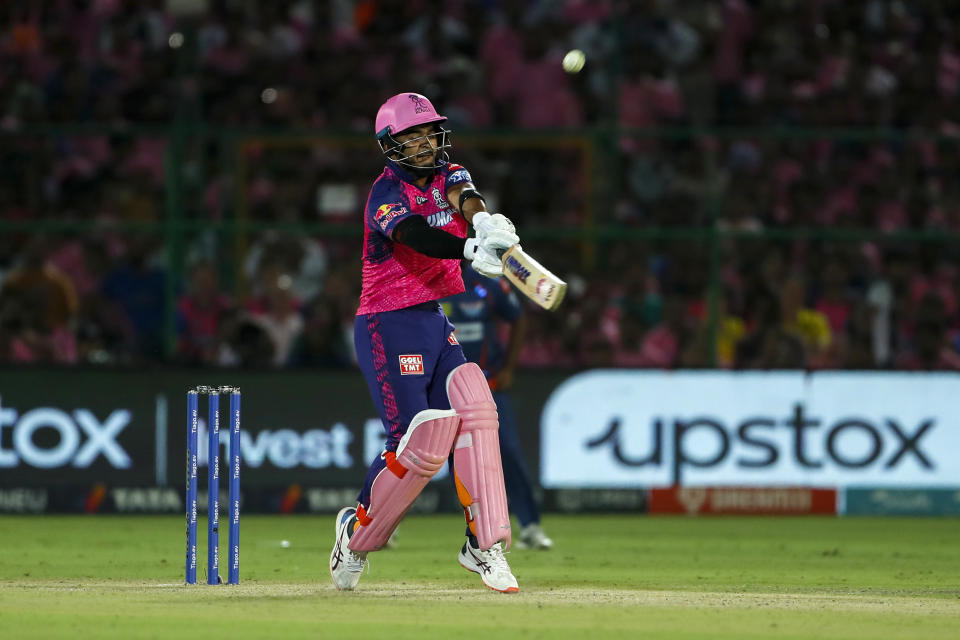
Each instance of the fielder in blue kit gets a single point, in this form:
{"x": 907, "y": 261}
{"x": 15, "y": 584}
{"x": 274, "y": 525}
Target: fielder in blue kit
{"x": 476, "y": 313}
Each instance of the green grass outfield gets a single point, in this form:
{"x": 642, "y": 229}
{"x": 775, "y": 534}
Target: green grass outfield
{"x": 608, "y": 576}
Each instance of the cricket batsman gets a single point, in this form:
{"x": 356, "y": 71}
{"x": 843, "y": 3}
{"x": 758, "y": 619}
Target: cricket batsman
{"x": 434, "y": 405}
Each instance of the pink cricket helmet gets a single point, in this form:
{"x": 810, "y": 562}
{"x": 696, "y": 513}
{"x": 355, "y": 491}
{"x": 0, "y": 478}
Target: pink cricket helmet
{"x": 403, "y": 111}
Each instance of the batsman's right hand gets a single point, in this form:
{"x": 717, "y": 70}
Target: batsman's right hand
{"x": 485, "y": 223}
{"x": 496, "y": 241}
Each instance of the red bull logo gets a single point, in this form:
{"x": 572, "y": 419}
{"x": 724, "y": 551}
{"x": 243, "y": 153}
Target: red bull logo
{"x": 387, "y": 212}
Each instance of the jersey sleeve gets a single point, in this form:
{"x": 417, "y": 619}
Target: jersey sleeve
{"x": 505, "y": 301}
{"x": 457, "y": 174}
{"x": 387, "y": 207}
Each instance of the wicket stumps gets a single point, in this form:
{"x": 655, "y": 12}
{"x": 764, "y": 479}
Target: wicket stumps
{"x": 213, "y": 484}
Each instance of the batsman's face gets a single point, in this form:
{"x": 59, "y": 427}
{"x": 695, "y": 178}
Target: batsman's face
{"x": 419, "y": 144}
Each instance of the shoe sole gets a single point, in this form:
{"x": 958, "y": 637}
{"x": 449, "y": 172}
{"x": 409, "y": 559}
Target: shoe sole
{"x": 507, "y": 590}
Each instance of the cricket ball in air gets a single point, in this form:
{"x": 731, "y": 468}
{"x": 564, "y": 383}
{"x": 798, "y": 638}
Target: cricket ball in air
{"x": 574, "y": 61}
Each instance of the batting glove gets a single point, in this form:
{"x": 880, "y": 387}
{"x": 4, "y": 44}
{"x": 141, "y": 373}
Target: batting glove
{"x": 484, "y": 223}
{"x": 487, "y": 264}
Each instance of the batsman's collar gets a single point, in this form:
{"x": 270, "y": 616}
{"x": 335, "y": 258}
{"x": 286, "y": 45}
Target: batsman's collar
{"x": 405, "y": 174}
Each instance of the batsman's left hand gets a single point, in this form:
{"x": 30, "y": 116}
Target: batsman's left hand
{"x": 486, "y": 263}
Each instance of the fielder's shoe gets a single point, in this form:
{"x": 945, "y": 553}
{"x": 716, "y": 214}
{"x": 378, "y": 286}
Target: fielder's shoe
{"x": 345, "y": 565}
{"x": 490, "y": 565}
{"x": 532, "y": 537}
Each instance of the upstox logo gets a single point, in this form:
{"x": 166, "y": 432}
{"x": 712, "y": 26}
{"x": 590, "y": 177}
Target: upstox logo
{"x": 82, "y": 438}
{"x": 517, "y": 269}
{"x": 751, "y": 443}
{"x": 620, "y": 429}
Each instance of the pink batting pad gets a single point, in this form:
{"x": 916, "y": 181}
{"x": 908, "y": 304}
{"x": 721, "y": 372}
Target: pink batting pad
{"x": 476, "y": 456}
{"x": 422, "y": 453}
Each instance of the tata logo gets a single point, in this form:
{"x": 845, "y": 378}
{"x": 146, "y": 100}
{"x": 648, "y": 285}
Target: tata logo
{"x": 146, "y": 500}
{"x": 517, "y": 269}
{"x": 82, "y": 438}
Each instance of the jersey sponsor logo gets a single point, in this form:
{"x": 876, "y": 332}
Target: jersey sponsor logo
{"x": 388, "y": 212}
{"x": 462, "y": 175}
{"x": 421, "y": 199}
{"x": 440, "y": 219}
{"x": 452, "y": 339}
{"x": 517, "y": 269}
{"x": 411, "y": 364}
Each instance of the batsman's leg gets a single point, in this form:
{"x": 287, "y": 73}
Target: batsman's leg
{"x": 478, "y": 472}
{"x": 422, "y": 453}
{"x": 478, "y": 476}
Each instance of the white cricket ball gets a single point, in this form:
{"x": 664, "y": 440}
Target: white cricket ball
{"x": 285, "y": 544}
{"x": 574, "y": 61}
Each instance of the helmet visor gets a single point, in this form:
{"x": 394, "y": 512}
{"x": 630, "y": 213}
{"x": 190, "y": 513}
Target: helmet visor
{"x": 426, "y": 151}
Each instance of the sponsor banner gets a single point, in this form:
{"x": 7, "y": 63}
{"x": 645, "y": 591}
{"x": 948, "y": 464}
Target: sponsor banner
{"x": 170, "y": 500}
{"x": 902, "y": 502}
{"x": 97, "y": 498}
{"x": 587, "y": 500}
{"x": 24, "y": 500}
{"x": 743, "y": 500}
{"x": 621, "y": 428}
{"x": 317, "y": 428}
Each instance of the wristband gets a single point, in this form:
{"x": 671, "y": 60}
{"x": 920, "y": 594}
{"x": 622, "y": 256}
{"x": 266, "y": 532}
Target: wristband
{"x": 466, "y": 194}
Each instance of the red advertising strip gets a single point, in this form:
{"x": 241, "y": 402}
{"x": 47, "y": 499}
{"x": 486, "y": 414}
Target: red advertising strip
{"x": 743, "y": 500}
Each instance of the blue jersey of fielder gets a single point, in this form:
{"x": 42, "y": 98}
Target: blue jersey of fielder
{"x": 475, "y": 313}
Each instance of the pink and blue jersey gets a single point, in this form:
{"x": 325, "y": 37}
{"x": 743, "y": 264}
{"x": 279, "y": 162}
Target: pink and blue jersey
{"x": 405, "y": 344}
{"x": 394, "y": 275}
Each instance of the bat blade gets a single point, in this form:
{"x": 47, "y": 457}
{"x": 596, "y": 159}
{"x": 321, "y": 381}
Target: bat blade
{"x": 532, "y": 279}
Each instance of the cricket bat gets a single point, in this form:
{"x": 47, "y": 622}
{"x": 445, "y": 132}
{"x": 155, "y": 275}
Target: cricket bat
{"x": 532, "y": 278}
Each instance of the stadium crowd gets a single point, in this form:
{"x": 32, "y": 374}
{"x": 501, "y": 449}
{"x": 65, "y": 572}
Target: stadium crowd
{"x": 833, "y": 117}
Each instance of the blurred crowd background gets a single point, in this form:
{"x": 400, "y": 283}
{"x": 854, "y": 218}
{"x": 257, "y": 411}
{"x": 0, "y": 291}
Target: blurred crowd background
{"x": 738, "y": 184}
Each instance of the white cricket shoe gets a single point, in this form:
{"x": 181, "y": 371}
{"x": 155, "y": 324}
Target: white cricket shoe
{"x": 533, "y": 537}
{"x": 491, "y": 565}
{"x": 345, "y": 565}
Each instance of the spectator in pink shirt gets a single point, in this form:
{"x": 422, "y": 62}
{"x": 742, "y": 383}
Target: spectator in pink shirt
{"x": 200, "y": 315}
